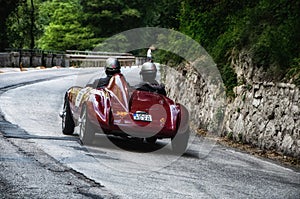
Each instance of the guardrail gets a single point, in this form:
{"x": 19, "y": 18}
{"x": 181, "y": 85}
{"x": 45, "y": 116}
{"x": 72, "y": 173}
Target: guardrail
{"x": 97, "y": 53}
{"x": 36, "y": 57}
{"x": 96, "y": 59}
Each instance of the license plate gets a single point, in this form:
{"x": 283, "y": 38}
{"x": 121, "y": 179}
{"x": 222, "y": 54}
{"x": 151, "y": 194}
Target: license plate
{"x": 142, "y": 117}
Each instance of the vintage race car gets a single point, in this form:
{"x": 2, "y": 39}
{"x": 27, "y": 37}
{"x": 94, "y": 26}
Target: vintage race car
{"x": 120, "y": 110}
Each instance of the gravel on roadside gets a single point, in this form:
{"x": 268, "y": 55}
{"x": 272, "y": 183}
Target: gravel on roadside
{"x": 271, "y": 155}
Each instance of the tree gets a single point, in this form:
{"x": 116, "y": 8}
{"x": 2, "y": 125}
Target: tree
{"x": 7, "y": 6}
{"x": 110, "y": 17}
{"x": 21, "y": 25}
{"x": 82, "y": 24}
{"x": 63, "y": 27}
{"x": 32, "y": 25}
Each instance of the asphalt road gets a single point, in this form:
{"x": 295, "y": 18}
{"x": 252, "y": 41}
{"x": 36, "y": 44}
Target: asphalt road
{"x": 126, "y": 168}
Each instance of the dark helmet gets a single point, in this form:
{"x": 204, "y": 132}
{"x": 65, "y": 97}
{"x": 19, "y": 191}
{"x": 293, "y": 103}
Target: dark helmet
{"x": 112, "y": 66}
{"x": 148, "y": 71}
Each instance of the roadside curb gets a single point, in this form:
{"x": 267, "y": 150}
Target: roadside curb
{"x": 14, "y": 70}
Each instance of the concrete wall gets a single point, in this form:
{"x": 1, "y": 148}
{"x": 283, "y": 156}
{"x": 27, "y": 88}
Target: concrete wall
{"x": 12, "y": 59}
{"x": 5, "y": 59}
{"x": 77, "y": 59}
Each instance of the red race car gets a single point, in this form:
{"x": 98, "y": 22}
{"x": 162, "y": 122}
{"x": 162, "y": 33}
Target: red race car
{"x": 120, "y": 110}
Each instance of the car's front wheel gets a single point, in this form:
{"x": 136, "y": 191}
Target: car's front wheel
{"x": 68, "y": 124}
{"x": 86, "y": 131}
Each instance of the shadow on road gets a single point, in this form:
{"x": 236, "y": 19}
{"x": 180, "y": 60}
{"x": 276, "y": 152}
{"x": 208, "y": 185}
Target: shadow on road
{"x": 135, "y": 145}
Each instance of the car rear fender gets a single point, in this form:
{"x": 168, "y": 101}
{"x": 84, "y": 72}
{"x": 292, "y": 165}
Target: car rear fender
{"x": 182, "y": 119}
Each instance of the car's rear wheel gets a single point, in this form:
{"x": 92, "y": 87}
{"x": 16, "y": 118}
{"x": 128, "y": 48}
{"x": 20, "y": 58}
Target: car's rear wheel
{"x": 180, "y": 142}
{"x": 68, "y": 124}
{"x": 86, "y": 131}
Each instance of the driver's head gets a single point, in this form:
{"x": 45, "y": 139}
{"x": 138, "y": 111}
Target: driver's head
{"x": 148, "y": 72}
{"x": 112, "y": 66}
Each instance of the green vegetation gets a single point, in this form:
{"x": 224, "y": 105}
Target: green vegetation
{"x": 229, "y": 135}
{"x": 6, "y": 8}
{"x": 64, "y": 29}
{"x": 20, "y": 25}
{"x": 267, "y": 29}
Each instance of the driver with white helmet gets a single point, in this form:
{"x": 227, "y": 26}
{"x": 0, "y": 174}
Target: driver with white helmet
{"x": 148, "y": 72}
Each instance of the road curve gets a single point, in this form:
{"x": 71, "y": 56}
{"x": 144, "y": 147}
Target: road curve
{"x": 128, "y": 168}
{"x": 26, "y": 171}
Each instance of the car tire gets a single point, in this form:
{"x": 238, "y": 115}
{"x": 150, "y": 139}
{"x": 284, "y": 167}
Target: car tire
{"x": 68, "y": 124}
{"x": 151, "y": 140}
{"x": 86, "y": 131}
{"x": 180, "y": 142}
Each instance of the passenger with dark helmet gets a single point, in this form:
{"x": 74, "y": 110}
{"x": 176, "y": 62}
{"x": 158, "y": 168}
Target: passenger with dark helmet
{"x": 112, "y": 67}
{"x": 148, "y": 73}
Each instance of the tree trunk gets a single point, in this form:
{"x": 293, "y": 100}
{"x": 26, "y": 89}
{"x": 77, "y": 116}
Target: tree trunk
{"x": 32, "y": 20}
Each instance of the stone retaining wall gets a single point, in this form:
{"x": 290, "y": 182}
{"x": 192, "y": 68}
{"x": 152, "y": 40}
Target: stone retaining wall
{"x": 266, "y": 115}
{"x": 263, "y": 114}
{"x": 205, "y": 102}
